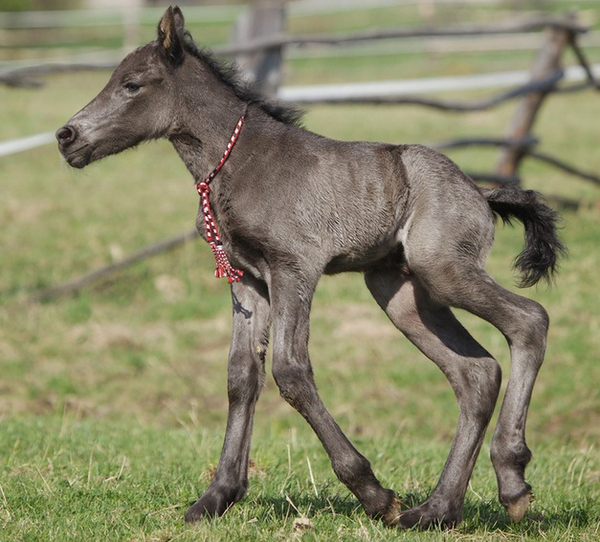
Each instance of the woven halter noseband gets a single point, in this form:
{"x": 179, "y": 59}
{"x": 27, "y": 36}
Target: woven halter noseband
{"x": 224, "y": 267}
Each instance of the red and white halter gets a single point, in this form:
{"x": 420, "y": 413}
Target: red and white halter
{"x": 224, "y": 267}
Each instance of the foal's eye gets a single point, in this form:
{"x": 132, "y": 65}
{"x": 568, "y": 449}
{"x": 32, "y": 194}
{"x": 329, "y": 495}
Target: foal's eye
{"x": 131, "y": 87}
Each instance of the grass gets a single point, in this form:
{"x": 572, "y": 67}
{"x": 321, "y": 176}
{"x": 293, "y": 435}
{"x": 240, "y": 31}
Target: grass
{"x": 73, "y": 479}
{"x": 83, "y": 480}
{"x": 113, "y": 402}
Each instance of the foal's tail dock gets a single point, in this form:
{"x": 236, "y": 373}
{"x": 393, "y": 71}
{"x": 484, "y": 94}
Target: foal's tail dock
{"x": 538, "y": 259}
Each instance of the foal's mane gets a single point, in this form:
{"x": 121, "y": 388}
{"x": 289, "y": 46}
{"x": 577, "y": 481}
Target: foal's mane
{"x": 230, "y": 75}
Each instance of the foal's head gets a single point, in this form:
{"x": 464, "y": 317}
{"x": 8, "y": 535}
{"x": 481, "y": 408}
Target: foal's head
{"x": 138, "y": 103}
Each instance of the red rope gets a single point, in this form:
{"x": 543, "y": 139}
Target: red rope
{"x": 224, "y": 267}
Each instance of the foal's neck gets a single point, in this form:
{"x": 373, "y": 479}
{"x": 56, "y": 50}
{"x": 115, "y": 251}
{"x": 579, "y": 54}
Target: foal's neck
{"x": 204, "y": 123}
{"x": 201, "y": 149}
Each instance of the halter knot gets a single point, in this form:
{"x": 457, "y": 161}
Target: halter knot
{"x": 224, "y": 269}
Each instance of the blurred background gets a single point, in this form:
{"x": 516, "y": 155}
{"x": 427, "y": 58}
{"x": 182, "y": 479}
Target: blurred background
{"x": 109, "y": 311}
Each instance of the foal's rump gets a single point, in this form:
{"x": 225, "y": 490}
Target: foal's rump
{"x": 449, "y": 226}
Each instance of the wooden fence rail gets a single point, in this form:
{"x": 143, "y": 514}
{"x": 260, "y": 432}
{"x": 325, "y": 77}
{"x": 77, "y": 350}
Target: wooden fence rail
{"x": 529, "y": 24}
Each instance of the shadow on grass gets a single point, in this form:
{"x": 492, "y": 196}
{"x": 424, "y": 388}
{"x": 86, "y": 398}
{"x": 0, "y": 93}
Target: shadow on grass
{"x": 478, "y": 516}
{"x": 294, "y": 504}
{"x": 493, "y": 517}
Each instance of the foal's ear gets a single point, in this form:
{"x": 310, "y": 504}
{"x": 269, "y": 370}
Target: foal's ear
{"x": 170, "y": 35}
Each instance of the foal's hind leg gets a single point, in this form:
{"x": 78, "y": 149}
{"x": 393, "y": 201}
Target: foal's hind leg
{"x": 472, "y": 372}
{"x": 246, "y": 374}
{"x": 526, "y": 330}
{"x": 524, "y": 323}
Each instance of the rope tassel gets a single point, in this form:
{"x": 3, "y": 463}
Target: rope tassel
{"x": 224, "y": 268}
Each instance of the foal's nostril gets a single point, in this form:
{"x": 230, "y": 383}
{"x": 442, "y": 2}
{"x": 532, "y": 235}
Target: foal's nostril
{"x": 66, "y": 135}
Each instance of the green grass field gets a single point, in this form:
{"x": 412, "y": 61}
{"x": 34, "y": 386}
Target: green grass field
{"x": 113, "y": 401}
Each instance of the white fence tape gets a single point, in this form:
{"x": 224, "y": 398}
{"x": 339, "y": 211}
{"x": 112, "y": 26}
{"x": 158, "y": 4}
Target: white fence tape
{"x": 417, "y": 86}
{"x": 25, "y": 143}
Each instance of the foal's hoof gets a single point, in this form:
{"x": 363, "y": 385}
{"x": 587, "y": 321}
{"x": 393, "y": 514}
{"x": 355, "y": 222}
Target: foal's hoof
{"x": 200, "y": 510}
{"x": 393, "y": 512}
{"x": 516, "y": 504}
{"x": 211, "y": 504}
{"x": 426, "y": 516}
{"x": 517, "y": 508}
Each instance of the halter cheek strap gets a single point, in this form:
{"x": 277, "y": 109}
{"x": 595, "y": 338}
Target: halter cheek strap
{"x": 224, "y": 267}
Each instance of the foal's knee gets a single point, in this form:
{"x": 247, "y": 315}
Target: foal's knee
{"x": 245, "y": 377}
{"x": 295, "y": 383}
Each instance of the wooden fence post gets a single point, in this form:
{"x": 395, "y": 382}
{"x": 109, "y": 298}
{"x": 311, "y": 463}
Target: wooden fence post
{"x": 262, "y": 68}
{"x": 547, "y": 63}
{"x": 131, "y": 27}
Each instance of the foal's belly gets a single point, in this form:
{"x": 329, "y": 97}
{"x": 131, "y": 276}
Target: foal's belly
{"x": 387, "y": 255}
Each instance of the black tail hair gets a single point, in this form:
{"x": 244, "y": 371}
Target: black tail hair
{"x": 539, "y": 258}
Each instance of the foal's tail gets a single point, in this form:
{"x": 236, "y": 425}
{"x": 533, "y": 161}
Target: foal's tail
{"x": 539, "y": 257}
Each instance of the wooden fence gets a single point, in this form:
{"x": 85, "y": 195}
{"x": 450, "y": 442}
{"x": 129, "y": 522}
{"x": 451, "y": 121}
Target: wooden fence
{"x": 260, "y": 42}
{"x": 259, "y": 45}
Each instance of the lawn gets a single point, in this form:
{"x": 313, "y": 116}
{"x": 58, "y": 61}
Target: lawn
{"x": 113, "y": 401}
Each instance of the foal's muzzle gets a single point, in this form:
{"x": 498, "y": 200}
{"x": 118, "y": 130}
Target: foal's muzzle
{"x": 77, "y": 151}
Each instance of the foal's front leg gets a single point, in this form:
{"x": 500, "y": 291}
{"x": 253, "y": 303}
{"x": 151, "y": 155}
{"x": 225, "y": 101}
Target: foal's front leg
{"x": 246, "y": 374}
{"x": 290, "y": 302}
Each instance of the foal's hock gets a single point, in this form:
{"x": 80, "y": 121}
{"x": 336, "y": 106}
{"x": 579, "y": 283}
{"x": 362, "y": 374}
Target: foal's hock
{"x": 282, "y": 207}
